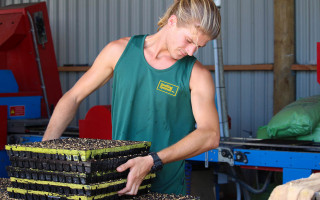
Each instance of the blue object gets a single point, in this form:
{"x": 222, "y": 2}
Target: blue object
{"x": 26, "y": 107}
{"x": 290, "y": 174}
{"x": 212, "y": 156}
{"x": 4, "y": 162}
{"x": 31, "y": 138}
{"x": 8, "y": 83}
{"x": 188, "y": 171}
{"x": 281, "y": 159}
{"x": 295, "y": 165}
{"x": 289, "y": 161}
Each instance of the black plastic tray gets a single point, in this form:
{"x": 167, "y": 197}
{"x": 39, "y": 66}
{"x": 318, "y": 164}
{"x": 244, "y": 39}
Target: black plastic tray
{"x": 43, "y": 195}
{"x": 65, "y": 177}
{"x": 72, "y": 166}
{"x": 75, "y": 189}
{"x": 77, "y": 149}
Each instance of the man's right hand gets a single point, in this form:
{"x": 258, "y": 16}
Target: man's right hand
{"x": 139, "y": 168}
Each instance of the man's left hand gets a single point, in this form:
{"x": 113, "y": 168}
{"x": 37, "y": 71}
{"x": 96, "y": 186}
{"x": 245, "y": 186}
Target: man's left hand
{"x": 139, "y": 168}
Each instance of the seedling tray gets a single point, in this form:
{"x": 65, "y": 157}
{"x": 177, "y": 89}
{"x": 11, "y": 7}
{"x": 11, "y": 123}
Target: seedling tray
{"x": 66, "y": 177}
{"x": 77, "y": 149}
{"x": 74, "y": 189}
{"x": 42, "y": 195}
{"x": 72, "y": 166}
{"x": 143, "y": 194}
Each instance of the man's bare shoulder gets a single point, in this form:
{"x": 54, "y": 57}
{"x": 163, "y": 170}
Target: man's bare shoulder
{"x": 199, "y": 71}
{"x": 112, "y": 51}
{"x": 200, "y": 75}
{"x": 118, "y": 45}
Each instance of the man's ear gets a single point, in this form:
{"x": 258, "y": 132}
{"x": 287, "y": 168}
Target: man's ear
{"x": 172, "y": 21}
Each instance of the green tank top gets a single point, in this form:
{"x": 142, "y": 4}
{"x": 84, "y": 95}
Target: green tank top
{"x": 153, "y": 105}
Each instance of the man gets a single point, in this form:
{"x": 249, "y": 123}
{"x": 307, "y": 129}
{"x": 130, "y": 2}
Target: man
{"x": 159, "y": 92}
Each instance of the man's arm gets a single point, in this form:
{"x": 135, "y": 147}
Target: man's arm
{"x": 204, "y": 138}
{"x": 100, "y": 72}
{"x": 207, "y": 134}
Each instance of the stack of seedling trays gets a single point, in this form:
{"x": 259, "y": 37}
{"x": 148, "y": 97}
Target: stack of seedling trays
{"x": 72, "y": 168}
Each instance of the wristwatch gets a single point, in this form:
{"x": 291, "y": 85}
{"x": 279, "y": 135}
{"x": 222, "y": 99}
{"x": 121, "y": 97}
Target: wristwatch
{"x": 157, "y": 163}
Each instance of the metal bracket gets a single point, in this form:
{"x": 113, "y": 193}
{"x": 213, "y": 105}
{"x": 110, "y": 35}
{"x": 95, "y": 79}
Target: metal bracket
{"x": 241, "y": 156}
{"x": 225, "y": 155}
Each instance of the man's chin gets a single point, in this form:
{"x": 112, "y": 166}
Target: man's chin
{"x": 178, "y": 57}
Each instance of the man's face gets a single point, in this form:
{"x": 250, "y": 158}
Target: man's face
{"x": 183, "y": 41}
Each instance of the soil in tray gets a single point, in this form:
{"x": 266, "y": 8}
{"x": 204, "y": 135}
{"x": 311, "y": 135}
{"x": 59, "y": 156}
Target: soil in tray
{"x": 80, "y": 144}
{"x": 77, "y": 149}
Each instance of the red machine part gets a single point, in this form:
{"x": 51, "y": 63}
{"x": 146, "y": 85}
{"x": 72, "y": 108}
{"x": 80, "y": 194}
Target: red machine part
{"x": 97, "y": 123}
{"x": 318, "y": 62}
{"x": 18, "y": 53}
{"x": 3, "y": 126}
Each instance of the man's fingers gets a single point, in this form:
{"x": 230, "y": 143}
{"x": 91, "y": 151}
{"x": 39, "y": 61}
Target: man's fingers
{"x": 128, "y": 187}
{"x": 132, "y": 186}
{"x": 131, "y": 191}
{"x": 134, "y": 190}
{"x": 129, "y": 184}
{"x": 136, "y": 175}
{"x": 124, "y": 191}
{"x": 124, "y": 167}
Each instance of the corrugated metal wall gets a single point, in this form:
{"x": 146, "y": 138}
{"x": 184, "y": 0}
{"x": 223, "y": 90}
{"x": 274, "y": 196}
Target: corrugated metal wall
{"x": 81, "y": 28}
{"x": 249, "y": 101}
{"x": 307, "y": 36}
{"x": 247, "y": 33}
{"x": 307, "y": 30}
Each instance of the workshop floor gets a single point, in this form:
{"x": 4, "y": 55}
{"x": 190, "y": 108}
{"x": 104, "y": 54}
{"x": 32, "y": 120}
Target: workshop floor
{"x": 202, "y": 184}
{"x": 203, "y": 179}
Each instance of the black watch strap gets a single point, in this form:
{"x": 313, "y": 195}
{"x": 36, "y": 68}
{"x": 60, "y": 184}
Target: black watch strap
{"x": 157, "y": 163}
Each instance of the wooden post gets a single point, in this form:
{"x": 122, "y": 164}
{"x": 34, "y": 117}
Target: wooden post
{"x": 284, "y": 54}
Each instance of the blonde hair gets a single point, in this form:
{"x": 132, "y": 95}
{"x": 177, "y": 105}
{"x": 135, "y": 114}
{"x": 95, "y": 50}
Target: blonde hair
{"x": 203, "y": 13}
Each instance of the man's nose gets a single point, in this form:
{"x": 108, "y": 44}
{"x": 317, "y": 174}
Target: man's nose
{"x": 191, "y": 49}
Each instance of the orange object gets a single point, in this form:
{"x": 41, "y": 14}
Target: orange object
{"x": 97, "y": 123}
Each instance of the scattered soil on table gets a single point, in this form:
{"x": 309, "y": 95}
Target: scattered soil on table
{"x": 4, "y": 183}
{"x": 158, "y": 196}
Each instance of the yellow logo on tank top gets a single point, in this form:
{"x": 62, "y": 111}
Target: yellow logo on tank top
{"x": 168, "y": 88}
